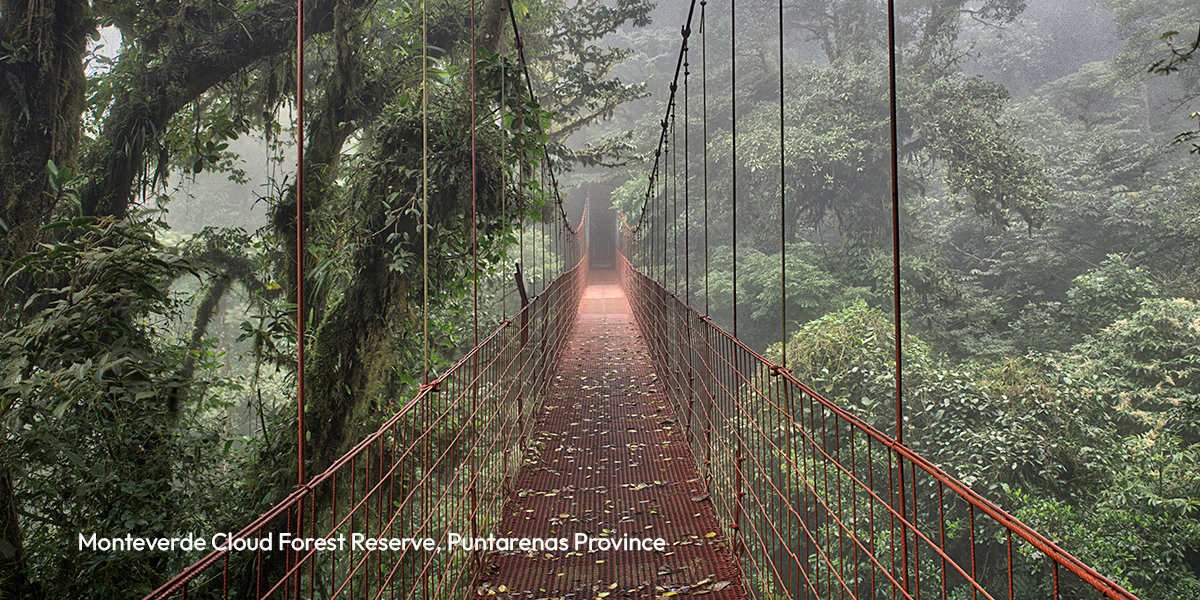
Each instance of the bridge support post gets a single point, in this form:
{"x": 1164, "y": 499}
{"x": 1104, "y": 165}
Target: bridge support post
{"x": 739, "y": 547}
{"x": 709, "y": 384}
{"x": 739, "y": 479}
{"x": 520, "y": 277}
{"x": 472, "y": 487}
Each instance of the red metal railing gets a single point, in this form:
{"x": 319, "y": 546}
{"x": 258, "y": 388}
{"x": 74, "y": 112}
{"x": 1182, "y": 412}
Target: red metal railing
{"x": 818, "y": 503}
{"x": 437, "y": 470}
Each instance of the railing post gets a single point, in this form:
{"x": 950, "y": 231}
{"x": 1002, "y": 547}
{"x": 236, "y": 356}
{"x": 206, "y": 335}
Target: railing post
{"x": 709, "y": 384}
{"x": 739, "y": 546}
{"x": 524, "y": 303}
{"x": 521, "y": 420}
{"x": 472, "y": 490}
{"x": 691, "y": 399}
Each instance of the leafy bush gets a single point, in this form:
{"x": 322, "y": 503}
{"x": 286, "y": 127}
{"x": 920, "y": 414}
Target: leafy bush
{"x": 1149, "y": 364}
{"x": 93, "y": 436}
{"x": 1107, "y": 293}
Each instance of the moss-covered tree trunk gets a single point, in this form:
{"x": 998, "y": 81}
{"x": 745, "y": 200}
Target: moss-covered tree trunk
{"x": 41, "y": 103}
{"x": 164, "y": 87}
{"x": 353, "y": 346}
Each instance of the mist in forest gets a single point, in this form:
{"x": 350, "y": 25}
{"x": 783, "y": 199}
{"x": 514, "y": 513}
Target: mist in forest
{"x": 1049, "y": 229}
{"x": 1048, "y": 236}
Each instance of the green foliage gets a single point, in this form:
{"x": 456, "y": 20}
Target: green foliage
{"x": 957, "y": 116}
{"x": 1141, "y": 530}
{"x": 92, "y": 441}
{"x": 563, "y": 41}
{"x": 1101, "y": 296}
{"x": 849, "y": 357}
{"x": 1146, "y": 26}
{"x": 1040, "y": 429}
{"x": 811, "y": 290}
{"x": 1151, "y": 363}
{"x": 1153, "y": 46}
{"x": 834, "y": 123}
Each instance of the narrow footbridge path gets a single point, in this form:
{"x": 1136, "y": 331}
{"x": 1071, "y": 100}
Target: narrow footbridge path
{"x": 610, "y": 472}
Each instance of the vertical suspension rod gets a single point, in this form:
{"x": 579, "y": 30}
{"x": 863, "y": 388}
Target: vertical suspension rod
{"x": 782, "y": 207}
{"x": 704, "y": 140}
{"x": 301, "y": 429}
{"x": 474, "y": 291}
{"x": 425, "y": 191}
{"x": 733, "y": 149}
{"x": 300, "y": 400}
{"x": 895, "y": 184}
{"x": 687, "y": 181}
{"x": 662, "y": 139}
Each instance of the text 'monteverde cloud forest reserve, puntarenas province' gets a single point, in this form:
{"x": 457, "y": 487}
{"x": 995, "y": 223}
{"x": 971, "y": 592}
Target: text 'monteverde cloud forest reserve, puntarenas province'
{"x": 600, "y": 299}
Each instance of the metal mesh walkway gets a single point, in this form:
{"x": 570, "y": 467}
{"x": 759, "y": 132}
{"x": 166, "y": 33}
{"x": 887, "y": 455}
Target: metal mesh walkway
{"x": 610, "y": 464}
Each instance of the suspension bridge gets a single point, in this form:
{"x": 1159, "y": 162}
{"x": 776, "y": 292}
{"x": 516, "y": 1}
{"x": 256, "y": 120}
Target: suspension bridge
{"x": 609, "y": 440}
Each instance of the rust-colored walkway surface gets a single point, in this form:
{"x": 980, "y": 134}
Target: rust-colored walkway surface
{"x": 610, "y": 464}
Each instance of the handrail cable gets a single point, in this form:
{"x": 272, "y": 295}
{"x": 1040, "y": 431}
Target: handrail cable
{"x": 519, "y": 43}
{"x": 662, "y": 138}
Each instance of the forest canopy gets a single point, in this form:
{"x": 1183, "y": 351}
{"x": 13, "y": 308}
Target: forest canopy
{"x": 148, "y": 372}
{"x": 1050, "y": 240}
{"x": 1049, "y": 230}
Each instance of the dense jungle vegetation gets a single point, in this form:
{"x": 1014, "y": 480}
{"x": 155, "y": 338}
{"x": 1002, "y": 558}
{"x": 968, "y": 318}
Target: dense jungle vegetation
{"x": 1050, "y": 242}
{"x": 1050, "y": 245}
{"x": 148, "y": 327}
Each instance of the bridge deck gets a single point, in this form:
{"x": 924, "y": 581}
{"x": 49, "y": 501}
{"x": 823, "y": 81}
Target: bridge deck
{"x": 610, "y": 461}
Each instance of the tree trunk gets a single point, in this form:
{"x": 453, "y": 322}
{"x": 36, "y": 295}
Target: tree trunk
{"x": 141, "y": 112}
{"x": 41, "y": 103}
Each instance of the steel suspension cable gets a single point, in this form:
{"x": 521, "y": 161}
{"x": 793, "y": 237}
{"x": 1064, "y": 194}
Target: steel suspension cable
{"x": 301, "y": 428}
{"x": 300, "y": 399}
{"x": 474, "y": 492}
{"x": 426, "y": 413}
{"x": 542, "y": 238}
{"x": 782, "y": 205}
{"x": 666, "y": 180}
{"x": 662, "y": 274}
{"x": 425, "y": 191}
{"x": 666, "y": 232}
{"x": 474, "y": 184}
{"x": 504, "y": 174}
{"x": 654, "y": 216}
{"x": 662, "y": 139}
{"x": 704, "y": 139}
{"x": 474, "y": 191}
{"x": 687, "y": 181}
{"x": 520, "y": 173}
{"x": 733, "y": 148}
{"x": 895, "y": 185}
{"x": 524, "y": 69}
{"x": 675, "y": 199}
